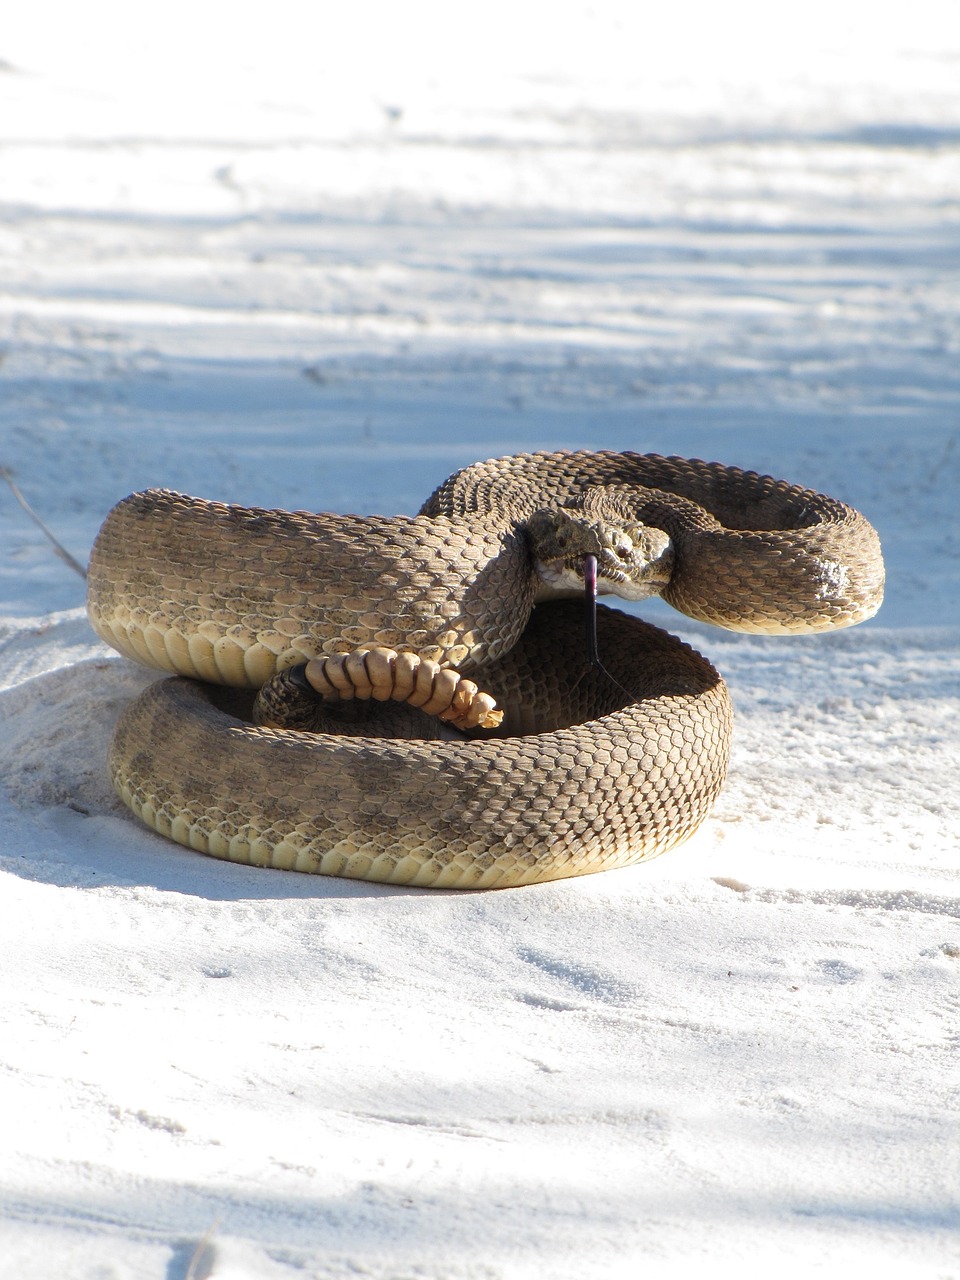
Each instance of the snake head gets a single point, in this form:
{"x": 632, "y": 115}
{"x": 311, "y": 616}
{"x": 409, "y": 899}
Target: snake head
{"x": 634, "y": 560}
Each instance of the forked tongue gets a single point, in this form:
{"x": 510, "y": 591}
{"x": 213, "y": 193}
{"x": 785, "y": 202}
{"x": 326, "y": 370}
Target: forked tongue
{"x": 590, "y": 610}
{"x": 590, "y": 615}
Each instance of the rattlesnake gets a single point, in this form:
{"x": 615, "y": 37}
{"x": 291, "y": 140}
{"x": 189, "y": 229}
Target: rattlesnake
{"x": 591, "y": 768}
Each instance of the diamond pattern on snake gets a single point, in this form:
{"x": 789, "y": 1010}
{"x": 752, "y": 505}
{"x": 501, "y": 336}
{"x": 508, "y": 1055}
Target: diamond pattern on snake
{"x": 438, "y": 700}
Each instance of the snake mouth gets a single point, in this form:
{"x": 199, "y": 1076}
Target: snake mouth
{"x": 565, "y": 577}
{"x": 560, "y": 576}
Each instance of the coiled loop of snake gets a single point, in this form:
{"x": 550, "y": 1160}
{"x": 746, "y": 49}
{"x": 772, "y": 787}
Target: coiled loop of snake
{"x": 579, "y": 777}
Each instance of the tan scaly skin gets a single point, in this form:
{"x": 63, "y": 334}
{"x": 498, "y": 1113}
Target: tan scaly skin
{"x": 588, "y": 770}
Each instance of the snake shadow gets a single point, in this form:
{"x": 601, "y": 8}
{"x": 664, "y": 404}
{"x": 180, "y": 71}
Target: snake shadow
{"x": 73, "y": 848}
{"x": 63, "y": 825}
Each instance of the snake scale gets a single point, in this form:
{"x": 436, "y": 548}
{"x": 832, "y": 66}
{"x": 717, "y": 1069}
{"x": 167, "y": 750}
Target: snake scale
{"x": 591, "y": 768}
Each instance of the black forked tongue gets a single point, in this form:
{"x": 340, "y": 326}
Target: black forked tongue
{"x": 590, "y": 615}
{"x": 590, "y": 608}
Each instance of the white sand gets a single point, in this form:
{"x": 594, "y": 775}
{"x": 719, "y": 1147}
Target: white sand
{"x": 302, "y": 258}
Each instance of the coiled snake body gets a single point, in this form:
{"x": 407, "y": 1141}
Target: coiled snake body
{"x": 591, "y": 768}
